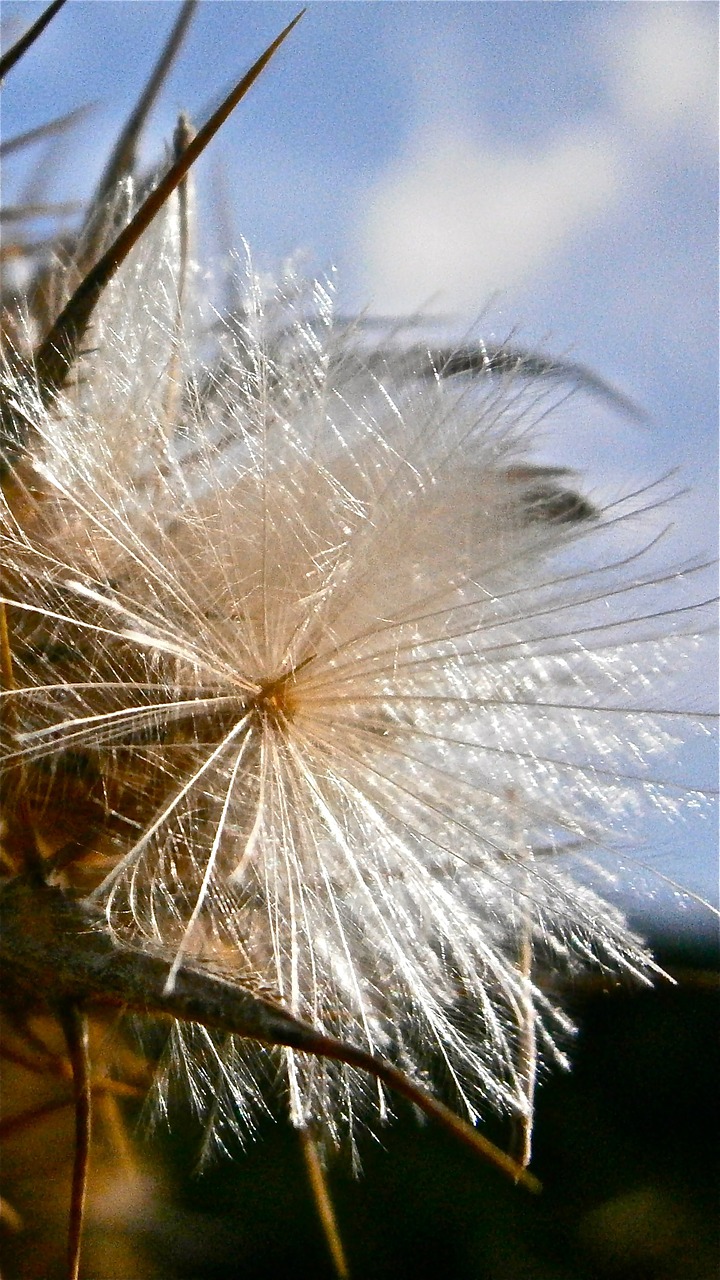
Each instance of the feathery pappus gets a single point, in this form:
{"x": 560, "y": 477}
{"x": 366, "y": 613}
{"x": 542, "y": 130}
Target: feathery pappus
{"x": 320, "y": 650}
{"x": 317, "y": 684}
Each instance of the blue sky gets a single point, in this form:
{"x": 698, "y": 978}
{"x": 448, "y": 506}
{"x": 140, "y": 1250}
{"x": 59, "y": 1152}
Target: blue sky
{"x": 548, "y": 168}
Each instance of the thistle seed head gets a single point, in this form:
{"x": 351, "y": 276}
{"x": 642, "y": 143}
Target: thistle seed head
{"x": 341, "y": 686}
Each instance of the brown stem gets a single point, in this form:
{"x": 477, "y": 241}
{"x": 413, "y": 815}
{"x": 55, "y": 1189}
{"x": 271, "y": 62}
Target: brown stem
{"x": 51, "y": 943}
{"x": 75, "y": 1027}
{"x": 323, "y": 1202}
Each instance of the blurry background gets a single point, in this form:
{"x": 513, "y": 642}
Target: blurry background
{"x": 626, "y": 1146}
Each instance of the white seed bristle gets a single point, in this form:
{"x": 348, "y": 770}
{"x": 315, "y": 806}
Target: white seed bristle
{"x": 356, "y": 695}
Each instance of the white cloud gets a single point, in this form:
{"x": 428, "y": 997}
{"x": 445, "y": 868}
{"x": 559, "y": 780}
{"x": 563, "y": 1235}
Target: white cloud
{"x": 452, "y": 221}
{"x": 665, "y": 69}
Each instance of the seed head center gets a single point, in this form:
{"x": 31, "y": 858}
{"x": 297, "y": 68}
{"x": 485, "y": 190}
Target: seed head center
{"x": 277, "y": 699}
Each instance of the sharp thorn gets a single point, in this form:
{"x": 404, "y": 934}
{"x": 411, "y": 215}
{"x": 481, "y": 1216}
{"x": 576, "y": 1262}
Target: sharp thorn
{"x": 58, "y": 352}
{"x": 21, "y": 46}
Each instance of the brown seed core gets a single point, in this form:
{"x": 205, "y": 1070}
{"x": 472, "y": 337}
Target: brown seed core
{"x": 278, "y": 699}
